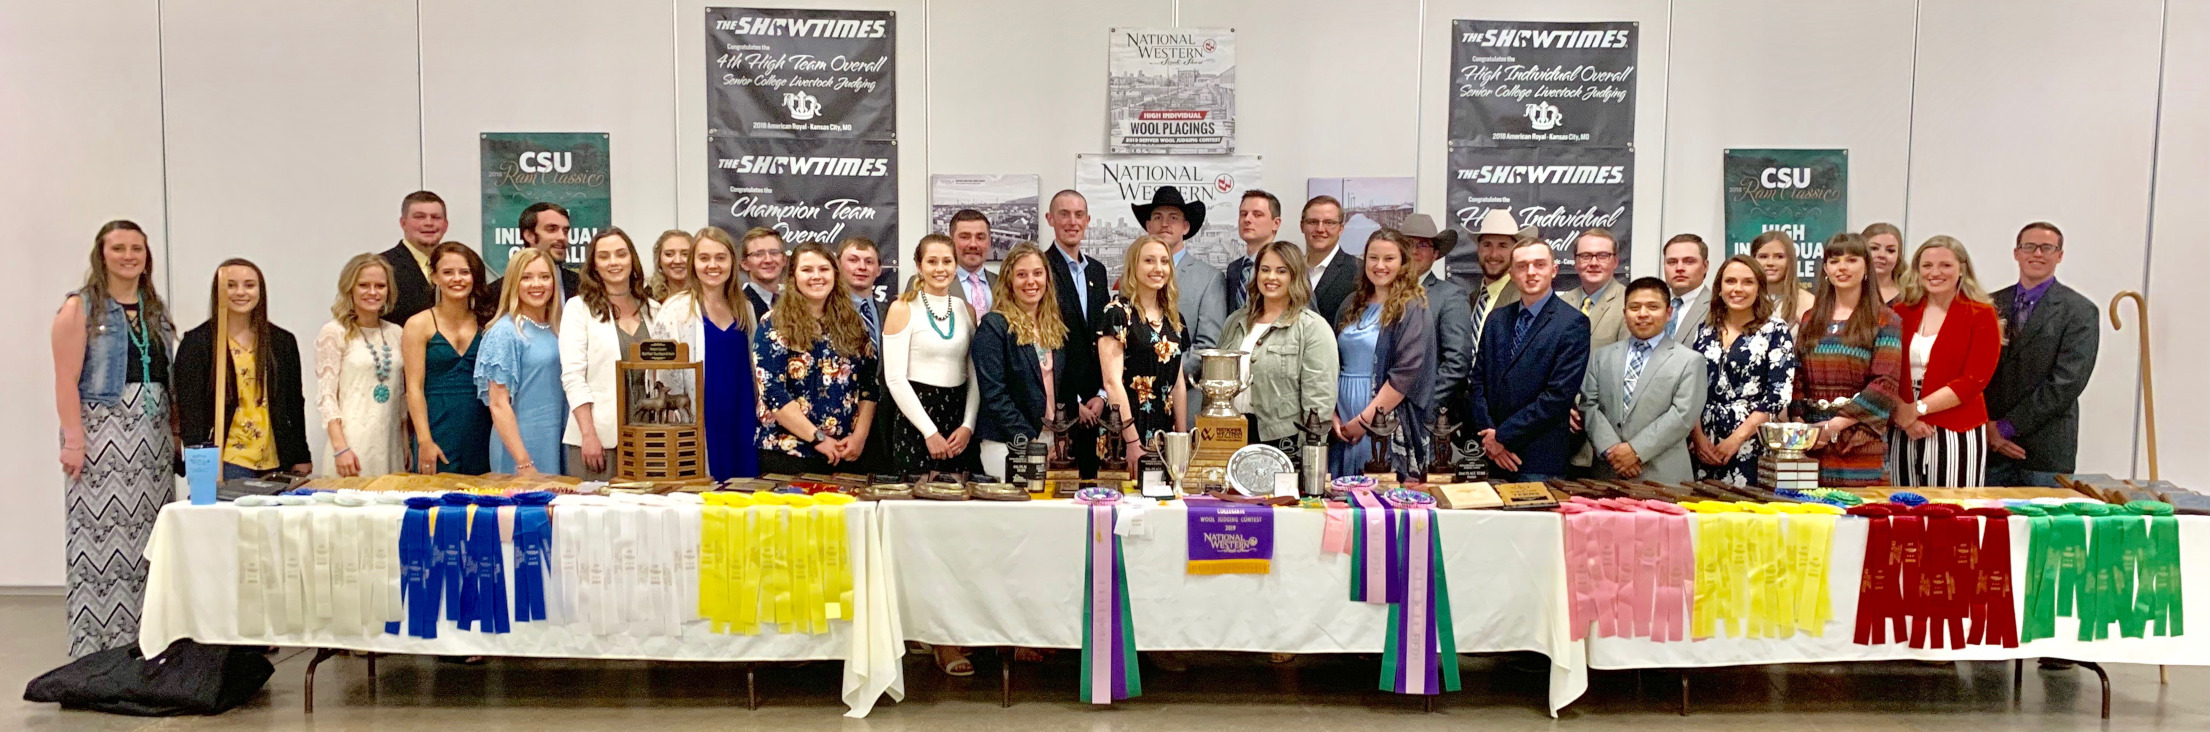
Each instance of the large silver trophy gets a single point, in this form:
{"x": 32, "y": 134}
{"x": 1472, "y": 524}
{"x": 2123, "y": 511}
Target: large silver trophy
{"x": 1784, "y": 464}
{"x": 1220, "y": 428}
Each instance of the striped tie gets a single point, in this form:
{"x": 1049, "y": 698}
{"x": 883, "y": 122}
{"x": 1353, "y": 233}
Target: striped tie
{"x": 1637, "y": 357}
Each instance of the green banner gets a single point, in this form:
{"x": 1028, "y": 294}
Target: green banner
{"x": 521, "y": 168}
{"x": 1802, "y": 192}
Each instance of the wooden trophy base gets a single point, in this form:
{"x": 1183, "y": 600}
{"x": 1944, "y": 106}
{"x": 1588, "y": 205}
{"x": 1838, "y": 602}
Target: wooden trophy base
{"x": 672, "y": 453}
{"x": 1214, "y": 440}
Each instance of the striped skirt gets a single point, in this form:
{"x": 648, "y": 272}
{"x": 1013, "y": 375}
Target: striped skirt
{"x": 1944, "y": 459}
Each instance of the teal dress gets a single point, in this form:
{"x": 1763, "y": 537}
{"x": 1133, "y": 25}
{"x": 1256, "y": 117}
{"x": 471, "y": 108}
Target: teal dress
{"x": 527, "y": 363}
{"x": 459, "y": 422}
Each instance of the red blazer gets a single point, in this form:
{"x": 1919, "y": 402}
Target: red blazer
{"x": 1963, "y": 359}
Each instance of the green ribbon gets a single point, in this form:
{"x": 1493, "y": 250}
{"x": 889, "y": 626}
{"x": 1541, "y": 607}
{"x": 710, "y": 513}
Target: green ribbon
{"x": 2104, "y": 565}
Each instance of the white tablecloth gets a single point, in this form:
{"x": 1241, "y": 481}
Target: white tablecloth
{"x": 192, "y": 592}
{"x": 981, "y": 573}
{"x": 1847, "y": 563}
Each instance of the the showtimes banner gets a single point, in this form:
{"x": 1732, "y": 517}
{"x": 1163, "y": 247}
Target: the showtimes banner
{"x": 1170, "y": 90}
{"x": 522, "y": 168}
{"x": 1560, "y": 191}
{"x": 810, "y": 190}
{"x": 1517, "y": 83}
{"x": 1802, "y": 192}
{"x": 810, "y": 74}
{"x": 1115, "y": 183}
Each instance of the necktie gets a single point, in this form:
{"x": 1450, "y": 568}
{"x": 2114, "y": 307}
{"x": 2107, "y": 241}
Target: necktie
{"x": 1480, "y": 316}
{"x": 1637, "y": 357}
{"x": 978, "y": 294}
{"x": 1675, "y": 321}
{"x": 1586, "y": 301}
{"x": 1519, "y": 330}
{"x": 867, "y": 313}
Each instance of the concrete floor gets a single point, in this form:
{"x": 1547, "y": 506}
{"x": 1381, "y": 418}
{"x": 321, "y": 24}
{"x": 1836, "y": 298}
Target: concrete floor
{"x": 1219, "y": 692}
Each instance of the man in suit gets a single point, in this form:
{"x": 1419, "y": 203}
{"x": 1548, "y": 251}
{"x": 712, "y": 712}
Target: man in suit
{"x": 1204, "y": 300}
{"x": 763, "y": 268}
{"x": 1079, "y": 282}
{"x": 2050, "y": 334}
{"x": 1600, "y": 297}
{"x": 1332, "y": 272}
{"x": 858, "y": 262}
{"x": 1686, "y": 259}
{"x": 545, "y": 227}
{"x": 970, "y": 233}
{"x": 1452, "y": 307}
{"x": 1257, "y": 220}
{"x": 1641, "y": 396}
{"x": 1527, "y": 374}
{"x": 1493, "y": 241}
{"x": 421, "y": 226}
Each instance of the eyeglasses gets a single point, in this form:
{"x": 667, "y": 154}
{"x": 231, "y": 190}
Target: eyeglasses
{"x": 2040, "y": 248}
{"x": 1598, "y": 256}
{"x": 1324, "y": 223}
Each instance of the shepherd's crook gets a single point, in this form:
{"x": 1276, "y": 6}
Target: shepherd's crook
{"x": 2148, "y": 394}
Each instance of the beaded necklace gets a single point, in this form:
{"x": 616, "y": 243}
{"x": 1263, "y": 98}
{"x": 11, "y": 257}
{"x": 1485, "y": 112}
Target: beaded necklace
{"x": 384, "y": 363}
{"x": 950, "y": 326}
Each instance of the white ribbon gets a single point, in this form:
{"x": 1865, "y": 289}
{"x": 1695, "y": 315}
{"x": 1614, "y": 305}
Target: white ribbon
{"x": 254, "y": 568}
{"x": 319, "y": 580}
{"x": 297, "y": 539}
{"x": 346, "y": 547}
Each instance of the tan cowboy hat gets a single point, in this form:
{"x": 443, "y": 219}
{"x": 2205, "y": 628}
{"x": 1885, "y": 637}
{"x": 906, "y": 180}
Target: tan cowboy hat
{"x": 1527, "y": 233}
{"x": 1497, "y": 222}
{"x": 1422, "y": 226}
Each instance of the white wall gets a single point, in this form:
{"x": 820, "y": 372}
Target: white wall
{"x": 293, "y": 128}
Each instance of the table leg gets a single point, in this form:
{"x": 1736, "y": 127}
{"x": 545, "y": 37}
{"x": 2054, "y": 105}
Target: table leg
{"x": 372, "y": 674}
{"x": 2164, "y": 675}
{"x": 1427, "y": 703}
{"x": 2103, "y": 677}
{"x": 1005, "y": 677}
{"x": 320, "y": 655}
{"x": 2017, "y": 679}
{"x": 751, "y": 688}
{"x": 1684, "y": 692}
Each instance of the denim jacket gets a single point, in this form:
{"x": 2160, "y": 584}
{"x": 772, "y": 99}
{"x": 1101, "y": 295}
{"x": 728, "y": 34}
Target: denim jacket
{"x": 107, "y": 352}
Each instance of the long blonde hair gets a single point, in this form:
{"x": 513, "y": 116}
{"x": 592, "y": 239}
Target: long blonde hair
{"x": 731, "y": 289}
{"x": 350, "y": 277}
{"x": 1299, "y": 291}
{"x": 1168, "y": 296}
{"x": 659, "y": 282}
{"x": 1913, "y": 290}
{"x": 510, "y": 293}
{"x": 1401, "y": 293}
{"x": 1784, "y": 297}
{"x": 1044, "y": 328}
{"x": 799, "y": 329}
{"x": 94, "y": 294}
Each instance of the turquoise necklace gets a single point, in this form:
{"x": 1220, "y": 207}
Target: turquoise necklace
{"x": 383, "y": 365}
{"x": 141, "y": 338}
{"x": 950, "y": 326}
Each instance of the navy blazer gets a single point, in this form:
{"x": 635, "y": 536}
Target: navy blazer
{"x": 1011, "y": 382}
{"x": 1526, "y": 396}
{"x": 1084, "y": 378}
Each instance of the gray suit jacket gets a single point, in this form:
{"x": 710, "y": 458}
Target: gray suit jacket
{"x": 1696, "y": 309}
{"x": 2045, "y": 366}
{"x": 1454, "y": 328}
{"x": 1669, "y": 400}
{"x": 959, "y": 289}
{"x": 1607, "y": 319}
{"x": 1204, "y": 308}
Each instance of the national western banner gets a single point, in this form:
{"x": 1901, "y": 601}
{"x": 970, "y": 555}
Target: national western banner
{"x": 810, "y": 190}
{"x": 810, "y": 74}
{"x": 1115, "y": 183}
{"x": 1516, "y": 83}
{"x": 1170, "y": 90}
{"x": 1802, "y": 192}
{"x": 1561, "y": 191}
{"x": 521, "y": 168}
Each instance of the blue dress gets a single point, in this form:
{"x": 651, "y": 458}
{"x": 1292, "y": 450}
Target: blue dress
{"x": 1354, "y": 388}
{"x": 528, "y": 364}
{"x": 729, "y": 403}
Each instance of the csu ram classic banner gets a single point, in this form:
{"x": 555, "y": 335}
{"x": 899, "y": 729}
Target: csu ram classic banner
{"x": 810, "y": 190}
{"x": 1560, "y": 191}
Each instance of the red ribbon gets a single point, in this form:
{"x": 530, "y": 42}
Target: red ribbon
{"x": 1879, "y": 598}
{"x": 1945, "y": 582}
{"x": 1993, "y": 620}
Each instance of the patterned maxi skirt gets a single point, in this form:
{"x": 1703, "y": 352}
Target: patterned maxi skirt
{"x": 947, "y": 407}
{"x": 111, "y": 508}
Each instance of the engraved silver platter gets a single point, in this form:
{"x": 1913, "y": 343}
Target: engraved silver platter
{"x": 1252, "y": 468}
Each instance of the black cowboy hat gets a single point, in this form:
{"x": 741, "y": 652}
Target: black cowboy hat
{"x": 1171, "y": 196}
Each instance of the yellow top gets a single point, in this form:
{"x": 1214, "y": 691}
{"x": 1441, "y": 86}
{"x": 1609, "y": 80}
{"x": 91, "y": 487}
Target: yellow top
{"x": 250, "y": 442}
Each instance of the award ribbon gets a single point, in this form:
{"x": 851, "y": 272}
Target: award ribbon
{"x": 422, "y": 567}
{"x": 487, "y": 559}
{"x": 533, "y": 554}
{"x": 1420, "y": 654}
{"x": 1993, "y": 621}
{"x": 1370, "y": 544}
{"x": 1109, "y": 671}
{"x": 256, "y": 570}
{"x": 450, "y": 534}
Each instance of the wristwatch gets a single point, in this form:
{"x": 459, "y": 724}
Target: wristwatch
{"x": 1921, "y": 406}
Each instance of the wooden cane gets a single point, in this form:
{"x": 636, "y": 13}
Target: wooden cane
{"x": 2148, "y": 397}
{"x": 222, "y": 371}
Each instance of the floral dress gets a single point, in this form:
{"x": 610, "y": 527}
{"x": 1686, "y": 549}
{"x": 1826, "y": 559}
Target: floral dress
{"x": 828, "y": 386}
{"x": 1151, "y": 361}
{"x": 1755, "y": 375}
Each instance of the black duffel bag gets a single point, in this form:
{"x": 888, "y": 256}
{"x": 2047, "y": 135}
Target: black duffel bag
{"x": 188, "y": 678}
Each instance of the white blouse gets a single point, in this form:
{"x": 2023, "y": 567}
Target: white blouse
{"x": 922, "y": 353}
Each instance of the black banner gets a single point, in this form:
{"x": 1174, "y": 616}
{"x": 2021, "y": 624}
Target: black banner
{"x": 810, "y": 190}
{"x": 1561, "y": 191}
{"x": 810, "y": 74}
{"x": 1519, "y": 84}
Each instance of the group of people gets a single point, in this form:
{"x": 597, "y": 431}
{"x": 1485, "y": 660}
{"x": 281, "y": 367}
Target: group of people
{"x": 1914, "y": 374}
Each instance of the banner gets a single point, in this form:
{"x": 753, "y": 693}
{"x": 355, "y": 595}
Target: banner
{"x": 1115, "y": 183}
{"x": 1561, "y": 191}
{"x": 1369, "y": 205}
{"x": 1802, "y": 192}
{"x": 810, "y": 190}
{"x": 1170, "y": 90}
{"x": 1228, "y": 538}
{"x": 521, "y": 168}
{"x": 811, "y": 74}
{"x": 1008, "y": 200}
{"x": 1520, "y": 83}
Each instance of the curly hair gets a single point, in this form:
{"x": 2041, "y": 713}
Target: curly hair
{"x": 1041, "y": 328}
{"x": 1296, "y": 295}
{"x": 1402, "y": 292}
{"x": 839, "y": 321}
{"x": 1168, "y": 296}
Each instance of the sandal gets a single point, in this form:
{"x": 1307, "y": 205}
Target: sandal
{"x": 1028, "y": 655}
{"x": 958, "y": 666}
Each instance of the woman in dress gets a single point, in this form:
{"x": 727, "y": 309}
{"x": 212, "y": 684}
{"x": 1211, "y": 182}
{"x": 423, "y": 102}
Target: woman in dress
{"x": 452, "y": 428}
{"x": 111, "y": 390}
{"x": 1019, "y": 357}
{"x": 1885, "y": 243}
{"x": 1139, "y": 347}
{"x": 1776, "y": 257}
{"x": 518, "y": 369}
{"x": 1290, "y": 358}
{"x": 1385, "y": 338}
{"x": 671, "y": 269}
{"x": 610, "y": 312}
{"x": 818, "y": 371}
{"x": 264, "y": 429}
{"x": 926, "y": 371}
{"x": 1952, "y": 340}
{"x": 713, "y": 316}
{"x": 1848, "y": 351}
{"x": 358, "y": 383}
{"x": 1750, "y": 357}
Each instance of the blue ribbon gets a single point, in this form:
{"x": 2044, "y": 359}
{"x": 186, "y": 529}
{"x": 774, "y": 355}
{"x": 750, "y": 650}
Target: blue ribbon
{"x": 418, "y": 586}
{"x": 452, "y": 535}
{"x": 486, "y": 554}
{"x": 533, "y": 554}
